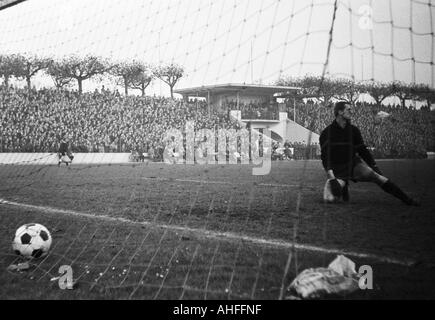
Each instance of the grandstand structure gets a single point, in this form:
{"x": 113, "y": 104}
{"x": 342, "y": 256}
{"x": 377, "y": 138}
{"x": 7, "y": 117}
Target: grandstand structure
{"x": 256, "y": 105}
{"x": 239, "y": 93}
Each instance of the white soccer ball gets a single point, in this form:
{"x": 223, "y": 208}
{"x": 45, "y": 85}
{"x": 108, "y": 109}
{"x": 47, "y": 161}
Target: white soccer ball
{"x": 32, "y": 240}
{"x": 327, "y": 193}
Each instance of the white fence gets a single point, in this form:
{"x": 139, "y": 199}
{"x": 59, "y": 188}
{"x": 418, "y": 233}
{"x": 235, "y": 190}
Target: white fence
{"x": 51, "y": 158}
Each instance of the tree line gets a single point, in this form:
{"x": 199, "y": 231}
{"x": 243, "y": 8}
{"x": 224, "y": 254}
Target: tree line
{"x": 348, "y": 90}
{"x": 64, "y": 71}
{"x": 138, "y": 75}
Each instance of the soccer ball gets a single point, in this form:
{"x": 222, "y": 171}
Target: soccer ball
{"x": 32, "y": 240}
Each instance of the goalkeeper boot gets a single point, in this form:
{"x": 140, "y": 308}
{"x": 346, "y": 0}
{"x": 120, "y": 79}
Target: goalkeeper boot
{"x": 394, "y": 190}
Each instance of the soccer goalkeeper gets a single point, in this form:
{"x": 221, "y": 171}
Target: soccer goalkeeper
{"x": 344, "y": 156}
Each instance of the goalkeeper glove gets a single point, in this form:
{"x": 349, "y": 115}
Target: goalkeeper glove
{"x": 335, "y": 188}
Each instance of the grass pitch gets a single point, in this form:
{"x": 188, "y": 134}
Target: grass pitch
{"x": 157, "y": 231}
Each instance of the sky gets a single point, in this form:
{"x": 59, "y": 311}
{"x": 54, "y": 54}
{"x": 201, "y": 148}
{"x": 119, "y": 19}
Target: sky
{"x": 234, "y": 41}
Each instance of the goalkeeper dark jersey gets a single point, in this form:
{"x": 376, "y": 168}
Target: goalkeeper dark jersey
{"x": 63, "y": 148}
{"x": 341, "y": 149}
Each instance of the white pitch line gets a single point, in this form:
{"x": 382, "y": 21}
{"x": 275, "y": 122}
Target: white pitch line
{"x": 212, "y": 234}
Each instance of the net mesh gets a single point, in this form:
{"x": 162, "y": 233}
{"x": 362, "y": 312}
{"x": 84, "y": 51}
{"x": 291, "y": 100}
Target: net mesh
{"x": 148, "y": 230}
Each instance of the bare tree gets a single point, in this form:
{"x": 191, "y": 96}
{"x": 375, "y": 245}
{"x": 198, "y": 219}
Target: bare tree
{"x": 379, "y": 91}
{"x": 347, "y": 90}
{"x": 9, "y": 66}
{"x": 30, "y": 65}
{"x": 423, "y": 92}
{"x": 169, "y": 74}
{"x": 79, "y": 68}
{"x": 142, "y": 80}
{"x": 125, "y": 72}
{"x": 58, "y": 76}
{"x": 312, "y": 86}
{"x": 403, "y": 91}
{"x": 327, "y": 88}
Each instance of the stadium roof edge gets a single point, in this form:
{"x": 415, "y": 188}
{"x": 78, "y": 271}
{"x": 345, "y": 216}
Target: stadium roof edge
{"x": 234, "y": 87}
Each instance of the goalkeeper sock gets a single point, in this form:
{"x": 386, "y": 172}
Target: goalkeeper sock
{"x": 394, "y": 190}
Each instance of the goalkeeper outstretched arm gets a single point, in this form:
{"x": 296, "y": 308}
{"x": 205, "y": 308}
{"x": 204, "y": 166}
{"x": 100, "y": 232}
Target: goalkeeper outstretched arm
{"x": 324, "y": 155}
{"x": 327, "y": 165}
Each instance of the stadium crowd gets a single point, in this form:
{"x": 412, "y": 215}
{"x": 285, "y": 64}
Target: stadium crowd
{"x": 35, "y": 121}
{"x": 104, "y": 121}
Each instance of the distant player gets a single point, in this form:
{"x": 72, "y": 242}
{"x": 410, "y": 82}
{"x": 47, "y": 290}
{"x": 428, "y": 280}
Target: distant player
{"x": 345, "y": 157}
{"x": 64, "y": 154}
